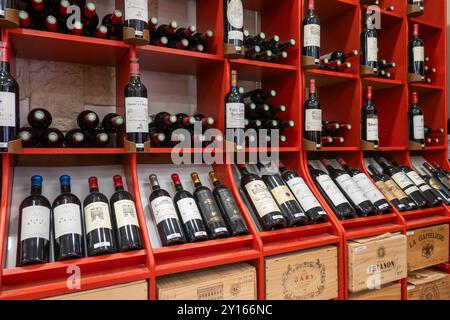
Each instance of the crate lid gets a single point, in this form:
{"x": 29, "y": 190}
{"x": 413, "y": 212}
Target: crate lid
{"x": 425, "y": 276}
{"x": 374, "y": 238}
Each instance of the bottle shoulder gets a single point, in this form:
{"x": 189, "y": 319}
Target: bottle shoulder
{"x": 35, "y": 200}
{"x": 66, "y": 198}
{"x": 95, "y": 197}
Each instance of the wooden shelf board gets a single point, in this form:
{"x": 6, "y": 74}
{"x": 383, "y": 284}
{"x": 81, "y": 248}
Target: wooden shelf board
{"x": 381, "y": 83}
{"x": 425, "y": 87}
{"x": 67, "y": 151}
{"x": 326, "y": 78}
{"x": 257, "y": 70}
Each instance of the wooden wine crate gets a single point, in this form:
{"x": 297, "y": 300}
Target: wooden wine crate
{"x": 428, "y": 284}
{"x": 375, "y": 261}
{"x": 137, "y": 290}
{"x": 392, "y": 291}
{"x": 427, "y": 246}
{"x": 229, "y": 282}
{"x": 304, "y": 275}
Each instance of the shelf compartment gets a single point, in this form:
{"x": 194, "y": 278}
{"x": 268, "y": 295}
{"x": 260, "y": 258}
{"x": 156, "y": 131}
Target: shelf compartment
{"x": 425, "y": 87}
{"x": 67, "y": 151}
{"x": 250, "y": 70}
{"x": 381, "y": 83}
{"x": 325, "y": 78}
{"x": 327, "y": 10}
{"x": 426, "y": 217}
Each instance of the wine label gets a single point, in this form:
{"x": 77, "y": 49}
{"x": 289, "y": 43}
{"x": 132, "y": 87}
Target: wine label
{"x": 229, "y": 204}
{"x": 261, "y": 198}
{"x": 188, "y": 210}
{"x": 7, "y": 109}
{"x": 173, "y": 236}
{"x": 235, "y": 115}
{"x": 67, "y": 219}
{"x": 403, "y": 182}
{"x": 418, "y": 181}
{"x": 282, "y": 194}
{"x": 208, "y": 206}
{"x": 331, "y": 190}
{"x": 163, "y": 209}
{"x": 136, "y": 10}
{"x": 386, "y": 190}
{"x": 304, "y": 196}
{"x": 35, "y": 223}
{"x": 418, "y": 127}
{"x": 102, "y": 244}
{"x": 372, "y": 49}
{"x": 369, "y": 190}
{"x": 235, "y": 14}
{"x": 313, "y": 120}
{"x": 235, "y": 35}
{"x": 398, "y": 193}
{"x": 419, "y": 54}
{"x": 351, "y": 189}
{"x": 372, "y": 128}
{"x": 311, "y": 35}
{"x": 96, "y": 216}
{"x": 136, "y": 109}
{"x": 126, "y": 214}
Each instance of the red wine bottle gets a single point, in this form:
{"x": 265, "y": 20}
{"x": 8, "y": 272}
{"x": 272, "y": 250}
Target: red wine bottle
{"x": 416, "y": 53}
{"x": 112, "y": 122}
{"x": 313, "y": 117}
{"x": 90, "y": 19}
{"x": 52, "y": 138}
{"x": 88, "y": 120}
{"x": 211, "y": 214}
{"x": 102, "y": 32}
{"x": 38, "y": 12}
{"x": 63, "y": 15}
{"x": 184, "y": 33}
{"x": 9, "y": 97}
{"x": 39, "y": 119}
{"x": 98, "y": 138}
{"x": 113, "y": 22}
{"x": 67, "y": 224}
{"x": 30, "y": 137}
{"x": 228, "y": 206}
{"x": 441, "y": 176}
{"x": 51, "y": 24}
{"x": 97, "y": 219}
{"x": 125, "y": 220}
{"x": 75, "y": 138}
{"x": 233, "y": 22}
{"x": 416, "y": 121}
{"x": 24, "y": 19}
{"x": 165, "y": 215}
{"x": 427, "y": 192}
{"x": 167, "y": 30}
{"x": 136, "y": 16}
{"x": 188, "y": 212}
{"x": 184, "y": 121}
{"x": 78, "y": 28}
{"x": 182, "y": 44}
{"x": 206, "y": 121}
{"x": 261, "y": 200}
{"x": 258, "y": 96}
{"x": 369, "y": 117}
{"x": 136, "y": 108}
{"x": 235, "y": 114}
{"x": 369, "y": 44}
{"x": 203, "y": 39}
{"x": 164, "y": 121}
{"x": 157, "y": 138}
{"x": 33, "y": 239}
{"x": 311, "y": 33}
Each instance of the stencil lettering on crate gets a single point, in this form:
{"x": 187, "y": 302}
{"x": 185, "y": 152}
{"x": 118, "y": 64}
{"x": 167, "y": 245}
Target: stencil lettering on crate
{"x": 304, "y": 281}
{"x": 213, "y": 292}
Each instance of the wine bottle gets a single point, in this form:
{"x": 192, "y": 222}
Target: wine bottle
{"x": 369, "y": 116}
{"x": 102, "y": 32}
{"x": 416, "y": 53}
{"x": 311, "y": 33}
{"x": 184, "y": 33}
{"x": 30, "y": 137}
{"x": 205, "y": 121}
{"x": 188, "y": 212}
{"x": 258, "y": 96}
{"x": 165, "y": 215}
{"x": 67, "y": 223}
{"x": 164, "y": 121}
{"x": 24, "y": 19}
{"x": 334, "y": 197}
{"x": 112, "y": 122}
{"x": 228, "y": 206}
{"x": 125, "y": 220}
{"x": 313, "y": 117}
{"x": 38, "y": 13}
{"x": 233, "y": 21}
{"x": 261, "y": 200}
{"x": 369, "y": 190}
{"x": 136, "y": 105}
{"x": 369, "y": 44}
{"x": 63, "y": 13}
{"x": 98, "y": 138}
{"x": 256, "y": 40}
{"x": 416, "y": 121}
{"x": 339, "y": 55}
{"x": 439, "y": 175}
{"x": 182, "y": 44}
{"x": 52, "y": 138}
{"x": 113, "y": 22}
{"x": 39, "y": 119}
{"x": 438, "y": 188}
{"x": 184, "y": 121}
{"x": 75, "y": 138}
{"x": 34, "y": 227}
{"x": 427, "y": 192}
{"x": 9, "y": 97}
{"x": 88, "y": 120}
{"x": 78, "y": 28}
{"x": 51, "y": 24}
{"x": 235, "y": 114}
{"x": 136, "y": 16}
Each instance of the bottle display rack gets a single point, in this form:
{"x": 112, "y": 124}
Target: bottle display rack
{"x": 341, "y": 96}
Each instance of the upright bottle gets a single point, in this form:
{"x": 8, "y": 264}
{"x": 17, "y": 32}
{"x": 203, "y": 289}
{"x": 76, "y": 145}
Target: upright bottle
{"x": 313, "y": 117}
{"x": 369, "y": 118}
{"x": 416, "y": 121}
{"x": 97, "y": 219}
{"x": 67, "y": 223}
{"x": 165, "y": 215}
{"x": 9, "y": 100}
{"x": 228, "y": 206}
{"x": 126, "y": 223}
{"x": 311, "y": 34}
{"x": 188, "y": 212}
{"x": 233, "y": 22}
{"x": 416, "y": 53}
{"x": 369, "y": 44}
{"x": 136, "y": 17}
{"x": 235, "y": 114}
{"x": 33, "y": 238}
{"x": 136, "y": 108}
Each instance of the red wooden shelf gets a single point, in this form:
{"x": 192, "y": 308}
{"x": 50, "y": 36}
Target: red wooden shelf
{"x": 425, "y": 87}
{"x": 256, "y": 70}
{"x": 326, "y": 78}
{"x": 66, "y": 151}
{"x": 380, "y": 83}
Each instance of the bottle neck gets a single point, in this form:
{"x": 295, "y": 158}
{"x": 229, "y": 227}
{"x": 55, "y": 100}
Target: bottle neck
{"x": 4, "y": 66}
{"x": 178, "y": 187}
{"x": 36, "y": 190}
{"x": 65, "y": 188}
{"x": 233, "y": 84}
{"x": 119, "y": 188}
{"x": 93, "y": 189}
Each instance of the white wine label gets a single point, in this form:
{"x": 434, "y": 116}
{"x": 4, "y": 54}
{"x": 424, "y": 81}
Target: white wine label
{"x": 173, "y": 235}
{"x": 102, "y": 244}
{"x": 235, "y": 115}
{"x": 67, "y": 219}
{"x": 351, "y": 189}
{"x": 282, "y": 194}
{"x": 235, "y": 14}
{"x": 261, "y": 198}
{"x": 136, "y": 9}
{"x": 163, "y": 209}
{"x": 418, "y": 127}
{"x": 403, "y": 182}
{"x": 313, "y": 120}
{"x": 311, "y": 35}
{"x": 332, "y": 191}
{"x": 372, "y": 49}
{"x": 424, "y": 188}
{"x": 235, "y": 35}
{"x": 200, "y": 234}
{"x": 7, "y": 109}
{"x": 126, "y": 214}
{"x": 96, "y": 216}
{"x": 415, "y": 178}
{"x": 372, "y": 129}
{"x": 221, "y": 229}
{"x": 188, "y": 210}
{"x": 136, "y": 113}
{"x": 304, "y": 196}
{"x": 368, "y": 188}
{"x": 35, "y": 223}
{"x": 419, "y": 54}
